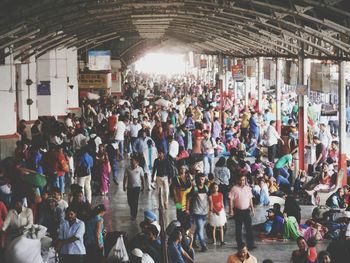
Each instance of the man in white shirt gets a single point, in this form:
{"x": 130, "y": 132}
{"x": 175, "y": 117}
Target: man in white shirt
{"x": 208, "y": 146}
{"x": 272, "y": 138}
{"x": 325, "y": 136}
{"x": 120, "y": 135}
{"x": 18, "y": 218}
{"x": 79, "y": 141}
{"x": 134, "y": 129}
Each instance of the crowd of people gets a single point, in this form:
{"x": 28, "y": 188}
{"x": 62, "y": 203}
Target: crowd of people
{"x": 217, "y": 159}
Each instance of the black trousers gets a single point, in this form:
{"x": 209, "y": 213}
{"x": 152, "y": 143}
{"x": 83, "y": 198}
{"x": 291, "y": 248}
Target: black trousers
{"x": 72, "y": 259}
{"x": 133, "y": 200}
{"x": 271, "y": 152}
{"x": 243, "y": 217}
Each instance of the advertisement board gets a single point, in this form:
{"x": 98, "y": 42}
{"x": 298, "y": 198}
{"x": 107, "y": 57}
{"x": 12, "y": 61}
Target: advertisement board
{"x": 238, "y": 70}
{"x": 99, "y": 59}
{"x": 43, "y": 89}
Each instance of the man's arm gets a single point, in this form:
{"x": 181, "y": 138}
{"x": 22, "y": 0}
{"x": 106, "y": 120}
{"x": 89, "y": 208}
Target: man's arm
{"x": 142, "y": 180}
{"x": 125, "y": 180}
{"x": 155, "y": 167}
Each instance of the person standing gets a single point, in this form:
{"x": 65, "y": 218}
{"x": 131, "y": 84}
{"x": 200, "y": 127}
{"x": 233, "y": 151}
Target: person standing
{"x": 133, "y": 184}
{"x": 198, "y": 200}
{"x": 217, "y": 213}
{"x": 272, "y": 138}
{"x": 83, "y": 172}
{"x": 71, "y": 238}
{"x": 241, "y": 204}
{"x": 103, "y": 169}
{"x": 120, "y": 135}
{"x": 134, "y": 128}
{"x": 208, "y": 146}
{"x": 321, "y": 152}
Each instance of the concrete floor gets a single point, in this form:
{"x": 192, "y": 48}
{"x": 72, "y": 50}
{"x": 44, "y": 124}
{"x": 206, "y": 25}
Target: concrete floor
{"x": 117, "y": 218}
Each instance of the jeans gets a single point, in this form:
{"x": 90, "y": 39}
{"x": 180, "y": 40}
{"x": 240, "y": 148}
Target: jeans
{"x": 114, "y": 166}
{"x": 121, "y": 147}
{"x": 85, "y": 182}
{"x": 199, "y": 221}
{"x": 133, "y": 200}
{"x": 59, "y": 183}
{"x": 208, "y": 163}
{"x": 243, "y": 217}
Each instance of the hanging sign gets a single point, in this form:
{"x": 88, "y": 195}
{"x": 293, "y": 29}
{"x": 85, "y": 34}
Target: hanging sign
{"x": 238, "y": 71}
{"x": 320, "y": 77}
{"x": 203, "y": 63}
{"x": 99, "y": 59}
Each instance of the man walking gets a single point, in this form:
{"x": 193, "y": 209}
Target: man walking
{"x": 161, "y": 169}
{"x": 241, "y": 204}
{"x": 133, "y": 184}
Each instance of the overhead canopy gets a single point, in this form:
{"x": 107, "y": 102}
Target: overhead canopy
{"x": 242, "y": 28}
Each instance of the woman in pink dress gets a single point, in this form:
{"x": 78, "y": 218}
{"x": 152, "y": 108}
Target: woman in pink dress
{"x": 103, "y": 169}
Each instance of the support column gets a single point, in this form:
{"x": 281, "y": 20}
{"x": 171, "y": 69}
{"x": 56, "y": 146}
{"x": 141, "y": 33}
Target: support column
{"x": 260, "y": 82}
{"x": 278, "y": 94}
{"x": 342, "y": 120}
{"x": 302, "y": 114}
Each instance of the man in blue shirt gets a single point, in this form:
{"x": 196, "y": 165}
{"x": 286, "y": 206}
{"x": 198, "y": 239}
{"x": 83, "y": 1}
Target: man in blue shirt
{"x": 71, "y": 238}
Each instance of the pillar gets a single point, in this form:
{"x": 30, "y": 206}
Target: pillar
{"x": 302, "y": 114}
{"x": 342, "y": 120}
{"x": 260, "y": 82}
{"x": 279, "y": 83}
{"x": 246, "y": 89}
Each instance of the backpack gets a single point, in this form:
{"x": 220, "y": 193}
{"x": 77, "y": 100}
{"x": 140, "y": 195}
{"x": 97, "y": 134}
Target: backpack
{"x": 92, "y": 145}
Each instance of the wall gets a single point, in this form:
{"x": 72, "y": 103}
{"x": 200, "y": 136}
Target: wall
{"x": 116, "y": 76}
{"x": 24, "y": 72}
{"x": 60, "y": 67}
{"x": 7, "y": 100}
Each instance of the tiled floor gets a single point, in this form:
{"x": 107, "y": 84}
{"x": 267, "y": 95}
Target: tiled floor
{"x": 118, "y": 219}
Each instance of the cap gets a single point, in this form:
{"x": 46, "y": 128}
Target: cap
{"x": 148, "y": 214}
{"x": 270, "y": 210}
{"x": 137, "y": 252}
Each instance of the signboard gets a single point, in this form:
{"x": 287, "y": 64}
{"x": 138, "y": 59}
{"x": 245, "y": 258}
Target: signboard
{"x": 302, "y": 90}
{"x": 238, "y": 71}
{"x": 99, "y": 60}
{"x": 320, "y": 77}
{"x": 251, "y": 68}
{"x": 43, "y": 89}
{"x": 93, "y": 80}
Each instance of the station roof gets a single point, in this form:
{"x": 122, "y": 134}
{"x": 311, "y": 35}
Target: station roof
{"x": 241, "y": 28}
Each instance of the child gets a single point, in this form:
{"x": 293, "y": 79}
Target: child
{"x": 217, "y": 215}
{"x": 311, "y": 251}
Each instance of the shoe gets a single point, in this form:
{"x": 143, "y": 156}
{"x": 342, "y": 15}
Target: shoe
{"x": 223, "y": 243}
{"x": 204, "y": 249}
{"x": 115, "y": 181}
{"x": 214, "y": 243}
{"x": 195, "y": 245}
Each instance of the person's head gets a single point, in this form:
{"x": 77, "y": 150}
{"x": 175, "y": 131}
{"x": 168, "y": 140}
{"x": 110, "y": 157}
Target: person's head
{"x": 273, "y": 123}
{"x": 134, "y": 120}
{"x": 17, "y": 205}
{"x": 341, "y": 192}
{"x": 206, "y": 134}
{"x": 152, "y": 232}
{"x": 316, "y": 140}
{"x": 161, "y": 154}
{"x": 176, "y": 236}
{"x": 71, "y": 214}
{"x": 56, "y": 193}
{"x": 99, "y": 210}
{"x": 311, "y": 242}
{"x": 324, "y": 257}
{"x": 44, "y": 195}
{"x": 214, "y": 188}
{"x": 182, "y": 169}
{"x": 221, "y": 162}
{"x": 277, "y": 208}
{"x": 322, "y": 126}
{"x": 210, "y": 176}
{"x": 200, "y": 179}
{"x": 79, "y": 196}
{"x": 242, "y": 180}
{"x": 134, "y": 161}
{"x": 324, "y": 167}
{"x": 242, "y": 251}
{"x": 270, "y": 214}
{"x": 101, "y": 148}
{"x": 52, "y": 203}
{"x": 334, "y": 145}
{"x": 301, "y": 243}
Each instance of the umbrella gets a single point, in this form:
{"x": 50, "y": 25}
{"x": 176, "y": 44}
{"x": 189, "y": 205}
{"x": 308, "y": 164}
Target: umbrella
{"x": 162, "y": 102}
{"x": 35, "y": 179}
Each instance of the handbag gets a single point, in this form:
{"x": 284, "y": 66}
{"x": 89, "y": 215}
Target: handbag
{"x": 82, "y": 171}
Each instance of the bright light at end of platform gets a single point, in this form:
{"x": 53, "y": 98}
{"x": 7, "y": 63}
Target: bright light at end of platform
{"x": 161, "y": 63}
